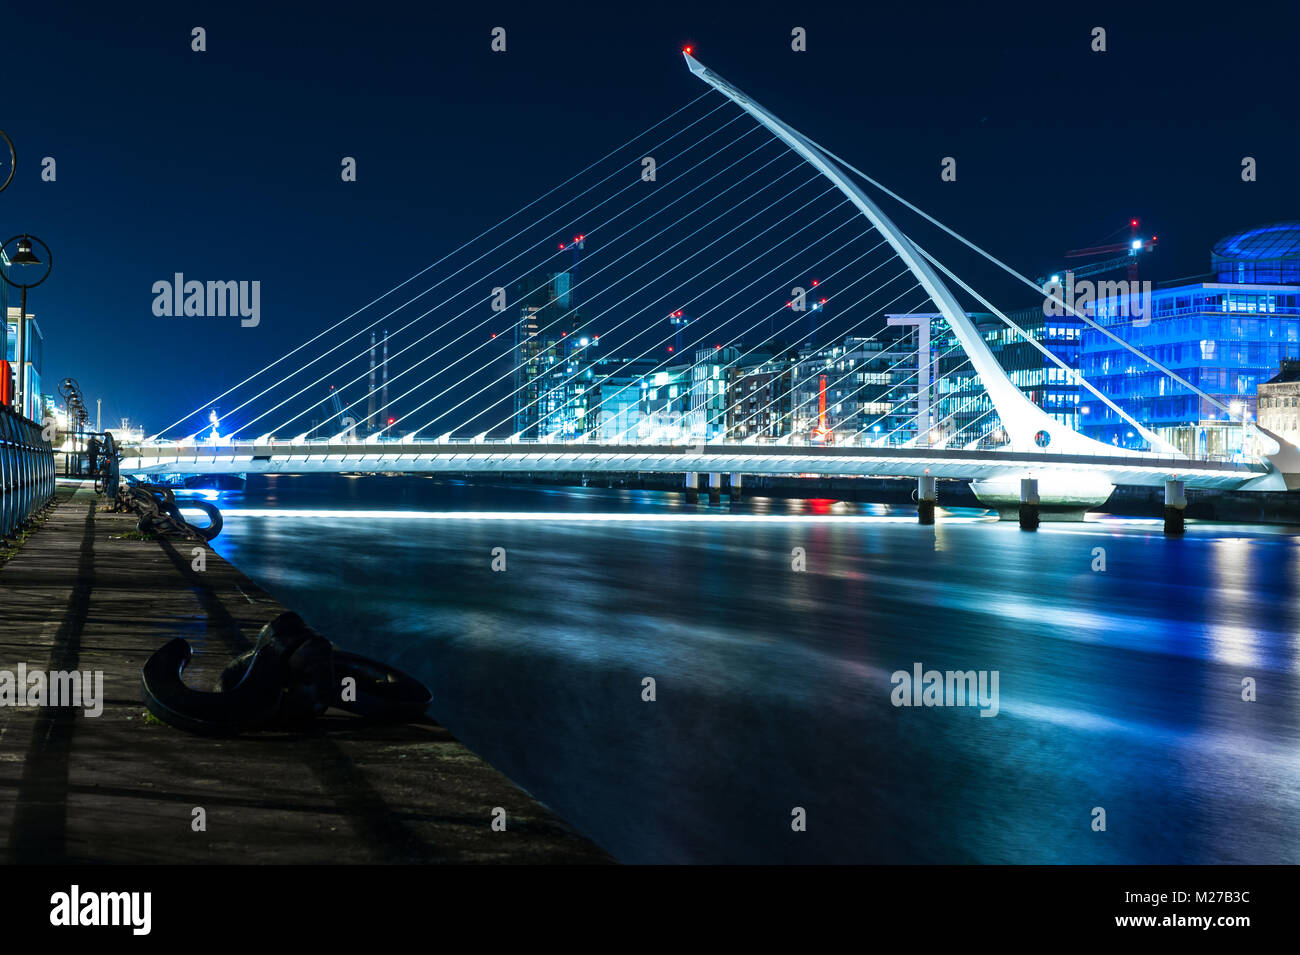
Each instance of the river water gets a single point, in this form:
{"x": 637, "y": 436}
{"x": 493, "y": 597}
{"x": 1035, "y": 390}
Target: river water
{"x": 1118, "y": 689}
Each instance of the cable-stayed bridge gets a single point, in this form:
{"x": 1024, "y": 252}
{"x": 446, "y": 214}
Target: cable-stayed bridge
{"x": 718, "y": 221}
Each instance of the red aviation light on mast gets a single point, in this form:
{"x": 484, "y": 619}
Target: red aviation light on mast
{"x": 688, "y": 50}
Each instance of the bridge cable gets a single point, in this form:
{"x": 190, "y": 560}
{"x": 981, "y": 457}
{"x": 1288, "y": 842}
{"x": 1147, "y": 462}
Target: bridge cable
{"x": 455, "y": 295}
{"x": 515, "y": 412}
{"x": 815, "y": 356}
{"x": 666, "y": 361}
{"x": 998, "y": 262}
{"x": 739, "y": 358}
{"x": 1150, "y": 436}
{"x": 750, "y": 284}
{"x": 880, "y": 354}
{"x": 466, "y": 245}
{"x": 587, "y": 278}
{"x": 915, "y": 374}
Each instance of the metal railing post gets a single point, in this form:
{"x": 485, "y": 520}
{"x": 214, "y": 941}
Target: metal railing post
{"x": 26, "y": 471}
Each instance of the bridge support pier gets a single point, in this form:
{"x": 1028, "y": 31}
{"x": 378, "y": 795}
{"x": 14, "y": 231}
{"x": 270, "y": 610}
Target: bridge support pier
{"x": 1028, "y": 504}
{"x": 715, "y": 487}
{"x": 735, "y": 488}
{"x": 927, "y": 495}
{"x": 1175, "y": 504}
{"x": 692, "y": 487}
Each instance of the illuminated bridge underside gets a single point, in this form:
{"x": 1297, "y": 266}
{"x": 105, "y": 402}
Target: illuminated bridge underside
{"x": 768, "y": 460}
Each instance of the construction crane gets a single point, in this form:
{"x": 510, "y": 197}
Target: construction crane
{"x": 1134, "y": 247}
{"x": 679, "y": 320}
{"x": 336, "y": 404}
{"x": 577, "y": 246}
{"x": 812, "y": 308}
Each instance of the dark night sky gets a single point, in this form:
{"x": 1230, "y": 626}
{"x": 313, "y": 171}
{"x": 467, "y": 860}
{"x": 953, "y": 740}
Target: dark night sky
{"x": 225, "y": 164}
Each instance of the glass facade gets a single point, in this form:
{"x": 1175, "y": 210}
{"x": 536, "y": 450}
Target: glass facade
{"x": 1225, "y": 339}
{"x": 965, "y": 416}
{"x": 1266, "y": 255}
{"x": 1222, "y": 337}
{"x": 760, "y": 398}
{"x": 553, "y": 360}
{"x": 871, "y": 390}
{"x": 33, "y": 405}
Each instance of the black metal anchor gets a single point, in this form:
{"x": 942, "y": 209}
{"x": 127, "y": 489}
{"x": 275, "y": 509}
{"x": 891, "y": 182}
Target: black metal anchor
{"x": 291, "y": 676}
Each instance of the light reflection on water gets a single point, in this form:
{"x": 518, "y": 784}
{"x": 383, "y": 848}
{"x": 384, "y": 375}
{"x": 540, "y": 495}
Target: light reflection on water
{"x": 1119, "y": 689}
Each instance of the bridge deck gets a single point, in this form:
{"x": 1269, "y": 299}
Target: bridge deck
{"x": 289, "y": 458}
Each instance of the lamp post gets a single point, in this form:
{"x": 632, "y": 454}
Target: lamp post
{"x": 24, "y": 258}
{"x": 70, "y": 392}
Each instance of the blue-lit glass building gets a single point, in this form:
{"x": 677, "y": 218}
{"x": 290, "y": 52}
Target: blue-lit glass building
{"x": 965, "y": 411}
{"x": 1225, "y": 335}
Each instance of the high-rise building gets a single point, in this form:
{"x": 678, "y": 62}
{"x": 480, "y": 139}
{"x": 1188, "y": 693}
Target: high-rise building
{"x": 965, "y": 415}
{"x": 760, "y": 393}
{"x": 871, "y": 389}
{"x": 552, "y": 360}
{"x": 707, "y": 414}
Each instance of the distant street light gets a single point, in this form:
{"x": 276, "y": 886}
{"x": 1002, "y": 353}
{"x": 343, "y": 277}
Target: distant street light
{"x": 24, "y": 258}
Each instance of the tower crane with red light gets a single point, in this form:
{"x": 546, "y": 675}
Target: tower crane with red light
{"x": 818, "y": 304}
{"x": 1134, "y": 247}
{"x": 577, "y": 245}
{"x": 679, "y": 320}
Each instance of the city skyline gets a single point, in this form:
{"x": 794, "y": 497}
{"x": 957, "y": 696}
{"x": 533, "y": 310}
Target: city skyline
{"x": 261, "y": 199}
{"x": 754, "y": 434}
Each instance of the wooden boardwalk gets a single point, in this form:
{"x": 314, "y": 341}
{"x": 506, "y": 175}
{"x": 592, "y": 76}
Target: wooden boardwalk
{"x": 118, "y": 788}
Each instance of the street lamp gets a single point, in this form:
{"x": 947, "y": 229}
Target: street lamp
{"x": 26, "y": 259}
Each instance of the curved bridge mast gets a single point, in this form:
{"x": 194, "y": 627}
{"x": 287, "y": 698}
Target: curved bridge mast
{"x": 1021, "y": 418}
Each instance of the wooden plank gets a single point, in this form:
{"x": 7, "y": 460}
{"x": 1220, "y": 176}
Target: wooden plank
{"x": 118, "y": 788}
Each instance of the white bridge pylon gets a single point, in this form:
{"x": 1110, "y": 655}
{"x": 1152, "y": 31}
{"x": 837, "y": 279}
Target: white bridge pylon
{"x": 1021, "y": 418}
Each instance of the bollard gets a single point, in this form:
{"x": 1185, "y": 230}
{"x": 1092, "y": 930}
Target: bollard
{"x": 1028, "y": 504}
{"x": 926, "y": 497}
{"x": 1175, "y": 504}
{"x": 692, "y": 487}
{"x": 735, "y": 488}
{"x": 715, "y": 487}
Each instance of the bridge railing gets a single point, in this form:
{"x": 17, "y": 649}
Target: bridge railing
{"x": 27, "y": 471}
{"x": 197, "y": 451}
